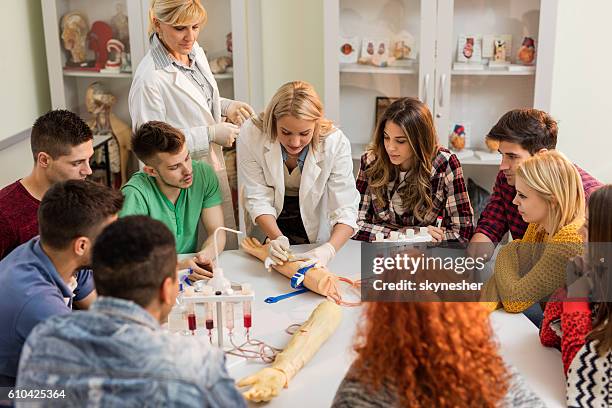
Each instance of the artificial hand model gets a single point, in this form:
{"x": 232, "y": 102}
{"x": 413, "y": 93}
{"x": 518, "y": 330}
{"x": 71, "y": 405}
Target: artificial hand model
{"x": 318, "y": 279}
{"x": 306, "y": 341}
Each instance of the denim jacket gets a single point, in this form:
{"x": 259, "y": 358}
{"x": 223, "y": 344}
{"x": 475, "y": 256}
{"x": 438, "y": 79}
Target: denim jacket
{"x": 116, "y": 354}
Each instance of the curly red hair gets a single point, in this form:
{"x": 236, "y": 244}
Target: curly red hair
{"x": 437, "y": 354}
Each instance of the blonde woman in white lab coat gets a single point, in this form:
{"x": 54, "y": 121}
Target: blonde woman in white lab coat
{"x": 174, "y": 84}
{"x": 297, "y": 173}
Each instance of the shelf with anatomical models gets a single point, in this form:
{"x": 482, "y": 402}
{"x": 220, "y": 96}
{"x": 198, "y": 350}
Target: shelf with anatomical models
{"x": 100, "y": 50}
{"x": 459, "y": 143}
{"x": 222, "y": 66}
{"x": 367, "y": 55}
{"x": 490, "y": 55}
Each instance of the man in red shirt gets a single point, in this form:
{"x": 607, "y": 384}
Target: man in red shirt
{"x": 521, "y": 133}
{"x": 62, "y": 144}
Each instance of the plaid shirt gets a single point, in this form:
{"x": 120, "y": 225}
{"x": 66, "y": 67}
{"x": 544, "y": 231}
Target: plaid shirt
{"x": 500, "y": 215}
{"x": 448, "y": 193}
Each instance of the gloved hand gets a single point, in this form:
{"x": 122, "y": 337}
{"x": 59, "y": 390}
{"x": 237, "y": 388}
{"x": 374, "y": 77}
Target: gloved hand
{"x": 278, "y": 250}
{"x": 238, "y": 112}
{"x": 266, "y": 384}
{"x": 321, "y": 255}
{"x": 223, "y": 133}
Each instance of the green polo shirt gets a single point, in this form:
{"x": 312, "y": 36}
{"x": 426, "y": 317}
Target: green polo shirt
{"x": 143, "y": 197}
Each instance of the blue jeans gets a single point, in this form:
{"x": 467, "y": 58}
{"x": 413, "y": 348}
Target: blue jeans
{"x": 535, "y": 314}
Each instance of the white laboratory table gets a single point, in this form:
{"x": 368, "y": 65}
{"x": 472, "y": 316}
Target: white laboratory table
{"x": 316, "y": 384}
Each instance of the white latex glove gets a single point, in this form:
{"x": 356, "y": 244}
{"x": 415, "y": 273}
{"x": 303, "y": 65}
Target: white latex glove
{"x": 223, "y": 133}
{"x": 278, "y": 250}
{"x": 321, "y": 255}
{"x": 238, "y": 112}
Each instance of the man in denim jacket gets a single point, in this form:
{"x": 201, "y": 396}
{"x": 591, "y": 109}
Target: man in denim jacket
{"x": 116, "y": 354}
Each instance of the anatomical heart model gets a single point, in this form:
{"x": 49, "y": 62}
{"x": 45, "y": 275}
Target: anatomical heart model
{"x": 527, "y": 52}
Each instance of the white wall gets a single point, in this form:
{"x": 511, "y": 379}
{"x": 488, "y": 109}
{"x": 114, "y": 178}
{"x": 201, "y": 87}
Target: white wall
{"x": 16, "y": 162}
{"x": 582, "y": 85}
{"x": 292, "y": 42}
{"x": 23, "y": 70}
{"x": 23, "y": 80}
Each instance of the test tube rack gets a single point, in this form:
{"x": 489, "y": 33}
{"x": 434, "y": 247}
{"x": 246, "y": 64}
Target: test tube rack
{"x": 409, "y": 236}
{"x": 218, "y": 299}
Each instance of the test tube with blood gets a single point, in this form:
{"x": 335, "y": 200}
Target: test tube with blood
{"x": 191, "y": 316}
{"x": 208, "y": 291}
{"x": 246, "y": 308}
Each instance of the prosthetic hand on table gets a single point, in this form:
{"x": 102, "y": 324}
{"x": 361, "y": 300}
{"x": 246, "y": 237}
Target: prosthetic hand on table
{"x": 307, "y": 340}
{"x": 318, "y": 279}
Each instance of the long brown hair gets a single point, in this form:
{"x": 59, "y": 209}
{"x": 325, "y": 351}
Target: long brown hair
{"x": 437, "y": 354}
{"x": 415, "y": 120}
{"x": 300, "y": 100}
{"x": 600, "y": 231}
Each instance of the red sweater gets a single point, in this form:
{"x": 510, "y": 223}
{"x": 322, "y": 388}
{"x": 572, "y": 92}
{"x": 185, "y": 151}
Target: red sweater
{"x": 18, "y": 217}
{"x": 575, "y": 323}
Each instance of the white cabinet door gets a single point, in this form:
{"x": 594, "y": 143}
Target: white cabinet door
{"x": 444, "y": 55}
{"x": 427, "y": 57}
{"x": 356, "y": 93}
{"x": 478, "y": 92}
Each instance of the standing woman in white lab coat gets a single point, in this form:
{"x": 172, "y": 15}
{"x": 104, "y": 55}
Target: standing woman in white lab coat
{"x": 173, "y": 83}
{"x": 297, "y": 172}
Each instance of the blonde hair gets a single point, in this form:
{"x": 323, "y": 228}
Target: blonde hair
{"x": 558, "y": 182}
{"x": 176, "y": 12}
{"x": 300, "y": 100}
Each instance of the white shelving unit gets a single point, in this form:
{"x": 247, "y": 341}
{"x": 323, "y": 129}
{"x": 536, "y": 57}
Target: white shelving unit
{"x": 478, "y": 162}
{"x": 491, "y": 72}
{"x": 365, "y": 69}
{"x": 226, "y": 75}
{"x": 67, "y": 87}
{"x": 212, "y": 39}
{"x": 86, "y": 74}
{"x": 478, "y": 97}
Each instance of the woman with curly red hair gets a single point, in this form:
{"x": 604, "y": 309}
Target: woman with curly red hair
{"x": 430, "y": 354}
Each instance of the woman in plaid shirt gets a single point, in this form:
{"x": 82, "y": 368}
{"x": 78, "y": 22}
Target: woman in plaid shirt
{"x": 407, "y": 180}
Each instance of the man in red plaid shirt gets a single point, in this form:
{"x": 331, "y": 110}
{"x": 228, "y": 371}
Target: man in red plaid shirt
{"x": 521, "y": 133}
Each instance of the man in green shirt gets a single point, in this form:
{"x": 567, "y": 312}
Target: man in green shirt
{"x": 177, "y": 191}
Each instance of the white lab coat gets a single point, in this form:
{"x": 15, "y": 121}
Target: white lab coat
{"x": 167, "y": 95}
{"x": 328, "y": 194}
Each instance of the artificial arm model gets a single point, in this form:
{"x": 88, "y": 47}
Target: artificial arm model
{"x": 306, "y": 341}
{"x": 318, "y": 279}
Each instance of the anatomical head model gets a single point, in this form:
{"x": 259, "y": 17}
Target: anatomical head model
{"x": 74, "y": 35}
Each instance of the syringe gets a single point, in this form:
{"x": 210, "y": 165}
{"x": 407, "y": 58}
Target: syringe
{"x": 229, "y": 316}
{"x": 229, "y": 312}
